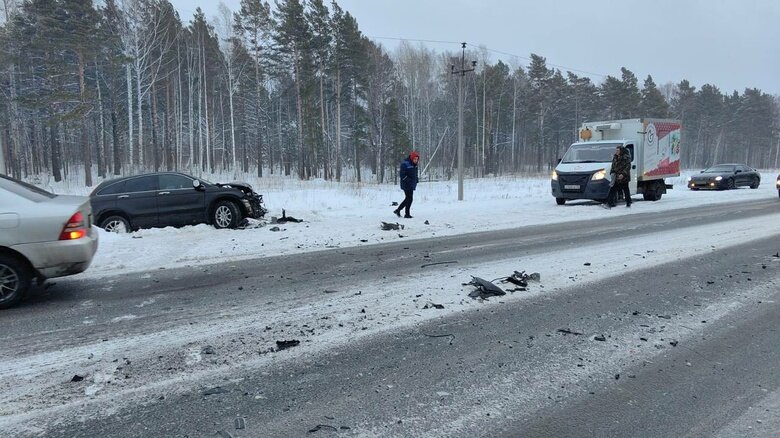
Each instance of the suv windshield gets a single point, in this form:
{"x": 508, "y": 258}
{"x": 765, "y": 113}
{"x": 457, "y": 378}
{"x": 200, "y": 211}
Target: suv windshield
{"x": 590, "y": 153}
{"x": 27, "y": 191}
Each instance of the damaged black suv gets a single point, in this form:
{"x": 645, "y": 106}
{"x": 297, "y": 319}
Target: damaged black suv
{"x": 172, "y": 199}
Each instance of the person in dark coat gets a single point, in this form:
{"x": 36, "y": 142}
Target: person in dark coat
{"x": 621, "y": 175}
{"x": 408, "y": 175}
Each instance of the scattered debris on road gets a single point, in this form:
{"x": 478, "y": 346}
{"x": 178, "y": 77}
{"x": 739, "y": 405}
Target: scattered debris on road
{"x": 386, "y": 226}
{"x": 215, "y": 390}
{"x": 448, "y": 335}
{"x": 208, "y": 349}
{"x": 600, "y": 338}
{"x": 240, "y": 423}
{"x": 283, "y": 345}
{"x": 438, "y": 263}
{"x": 567, "y": 331}
{"x": 433, "y": 306}
{"x": 484, "y": 289}
{"x": 323, "y": 427}
{"x": 77, "y": 378}
{"x": 284, "y": 219}
{"x": 275, "y": 229}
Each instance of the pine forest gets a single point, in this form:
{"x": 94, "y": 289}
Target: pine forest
{"x": 90, "y": 90}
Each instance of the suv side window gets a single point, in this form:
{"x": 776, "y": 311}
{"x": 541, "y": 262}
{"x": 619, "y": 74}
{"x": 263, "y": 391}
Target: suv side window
{"x": 113, "y": 189}
{"x": 141, "y": 184}
{"x": 174, "y": 182}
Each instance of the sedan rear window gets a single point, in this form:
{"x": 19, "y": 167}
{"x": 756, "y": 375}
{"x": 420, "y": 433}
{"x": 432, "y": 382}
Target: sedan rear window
{"x": 27, "y": 191}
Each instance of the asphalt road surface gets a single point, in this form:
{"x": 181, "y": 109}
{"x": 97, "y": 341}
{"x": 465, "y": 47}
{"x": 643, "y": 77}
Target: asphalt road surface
{"x": 689, "y": 348}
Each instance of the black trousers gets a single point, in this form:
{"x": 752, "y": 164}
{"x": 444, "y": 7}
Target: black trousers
{"x": 613, "y": 192}
{"x": 407, "y": 204}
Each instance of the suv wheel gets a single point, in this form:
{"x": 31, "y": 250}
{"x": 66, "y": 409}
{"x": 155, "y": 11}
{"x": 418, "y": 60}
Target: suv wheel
{"x": 226, "y": 215}
{"x": 115, "y": 224}
{"x": 15, "y": 279}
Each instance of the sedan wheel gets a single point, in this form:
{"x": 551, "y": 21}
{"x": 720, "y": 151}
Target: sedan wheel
{"x": 226, "y": 215}
{"x": 14, "y": 281}
{"x": 115, "y": 224}
{"x": 730, "y": 184}
{"x": 755, "y": 183}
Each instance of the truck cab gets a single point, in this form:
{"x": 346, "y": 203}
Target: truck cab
{"x": 584, "y": 171}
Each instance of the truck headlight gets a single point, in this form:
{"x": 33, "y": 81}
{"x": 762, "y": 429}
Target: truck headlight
{"x": 718, "y": 178}
{"x": 554, "y": 176}
{"x": 600, "y": 174}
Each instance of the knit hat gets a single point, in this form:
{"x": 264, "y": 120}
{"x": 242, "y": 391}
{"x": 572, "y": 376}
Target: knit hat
{"x": 414, "y": 155}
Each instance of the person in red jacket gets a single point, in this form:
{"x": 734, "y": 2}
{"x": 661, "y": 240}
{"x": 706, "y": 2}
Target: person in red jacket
{"x": 408, "y": 175}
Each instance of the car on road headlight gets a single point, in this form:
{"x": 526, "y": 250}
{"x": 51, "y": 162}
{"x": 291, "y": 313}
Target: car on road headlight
{"x": 725, "y": 177}
{"x": 42, "y": 235}
{"x": 777, "y": 184}
{"x": 165, "y": 199}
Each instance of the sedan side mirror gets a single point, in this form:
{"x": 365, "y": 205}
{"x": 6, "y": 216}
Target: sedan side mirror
{"x": 737, "y": 171}
{"x": 197, "y": 184}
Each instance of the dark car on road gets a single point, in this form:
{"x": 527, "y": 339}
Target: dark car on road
{"x": 172, "y": 199}
{"x": 725, "y": 177}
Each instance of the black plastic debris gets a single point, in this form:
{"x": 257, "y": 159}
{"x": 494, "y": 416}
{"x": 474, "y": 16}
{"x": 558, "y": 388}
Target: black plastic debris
{"x": 566, "y": 331}
{"x": 426, "y": 222}
{"x": 240, "y": 423}
{"x": 433, "y": 306}
{"x": 283, "y": 345}
{"x": 215, "y": 390}
{"x": 484, "y": 289}
{"x": 284, "y": 219}
{"x": 394, "y": 204}
{"x": 600, "y": 338}
{"x": 208, "y": 349}
{"x": 386, "y": 226}
{"x": 673, "y": 343}
{"x": 275, "y": 229}
{"x": 77, "y": 378}
{"x": 665, "y": 316}
{"x": 587, "y": 264}
{"x": 319, "y": 427}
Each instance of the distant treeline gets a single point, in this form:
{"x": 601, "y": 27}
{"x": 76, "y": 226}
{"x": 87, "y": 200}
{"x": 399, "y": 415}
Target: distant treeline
{"x": 297, "y": 89}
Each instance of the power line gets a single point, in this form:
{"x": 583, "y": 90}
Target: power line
{"x": 572, "y": 69}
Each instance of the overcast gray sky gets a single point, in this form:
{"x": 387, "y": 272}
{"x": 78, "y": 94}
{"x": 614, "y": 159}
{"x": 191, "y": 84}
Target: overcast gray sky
{"x": 728, "y": 43}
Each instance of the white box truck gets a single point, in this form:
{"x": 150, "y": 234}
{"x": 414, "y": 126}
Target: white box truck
{"x": 584, "y": 171}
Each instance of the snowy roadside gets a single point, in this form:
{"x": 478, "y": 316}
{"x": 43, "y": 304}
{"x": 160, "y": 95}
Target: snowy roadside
{"x": 172, "y": 361}
{"x": 345, "y": 215}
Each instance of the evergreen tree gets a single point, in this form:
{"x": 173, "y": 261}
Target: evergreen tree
{"x": 653, "y": 103}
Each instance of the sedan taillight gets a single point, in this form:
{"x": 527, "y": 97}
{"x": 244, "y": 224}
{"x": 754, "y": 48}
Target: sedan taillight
{"x": 75, "y": 228}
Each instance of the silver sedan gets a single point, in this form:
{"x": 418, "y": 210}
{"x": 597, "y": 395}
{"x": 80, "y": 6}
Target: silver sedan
{"x": 42, "y": 235}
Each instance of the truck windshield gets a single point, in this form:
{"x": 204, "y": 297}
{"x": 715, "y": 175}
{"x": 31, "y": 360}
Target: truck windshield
{"x": 590, "y": 153}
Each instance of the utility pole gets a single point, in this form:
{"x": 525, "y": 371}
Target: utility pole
{"x": 461, "y": 73}
{"x": 2, "y": 155}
